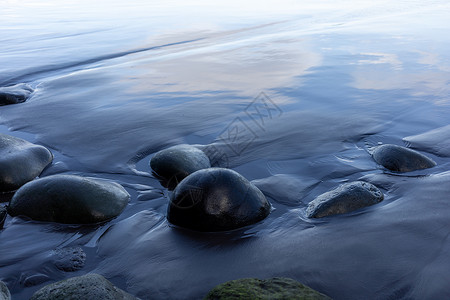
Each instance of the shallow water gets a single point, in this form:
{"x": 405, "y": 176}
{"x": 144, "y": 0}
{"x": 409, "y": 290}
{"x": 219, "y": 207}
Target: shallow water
{"x": 292, "y": 96}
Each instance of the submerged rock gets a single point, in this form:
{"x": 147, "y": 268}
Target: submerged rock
{"x": 345, "y": 198}
{"x": 2, "y": 216}
{"x": 256, "y": 289}
{"x": 69, "y": 259}
{"x": 401, "y": 159}
{"x": 15, "y": 94}
{"x": 173, "y": 164}
{"x": 90, "y": 286}
{"x": 4, "y": 292}
{"x": 216, "y": 199}
{"x": 69, "y": 199}
{"x": 20, "y": 162}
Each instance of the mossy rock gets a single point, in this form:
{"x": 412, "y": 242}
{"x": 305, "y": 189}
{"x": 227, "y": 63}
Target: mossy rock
{"x": 254, "y": 289}
{"x": 90, "y": 286}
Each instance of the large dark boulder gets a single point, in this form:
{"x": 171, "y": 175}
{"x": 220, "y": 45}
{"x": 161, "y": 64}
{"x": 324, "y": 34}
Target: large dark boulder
{"x": 173, "y": 164}
{"x": 20, "y": 162}
{"x": 69, "y": 199}
{"x": 15, "y": 94}
{"x": 345, "y": 198}
{"x": 269, "y": 289}
{"x": 90, "y": 286}
{"x": 401, "y": 159}
{"x": 216, "y": 199}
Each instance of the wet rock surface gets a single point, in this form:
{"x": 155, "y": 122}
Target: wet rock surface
{"x": 4, "y": 292}
{"x": 15, "y": 94}
{"x": 401, "y": 159}
{"x": 2, "y": 216}
{"x": 345, "y": 198}
{"x": 274, "y": 288}
{"x": 69, "y": 199}
{"x": 69, "y": 259}
{"x": 216, "y": 199}
{"x": 90, "y": 286}
{"x": 20, "y": 162}
{"x": 173, "y": 164}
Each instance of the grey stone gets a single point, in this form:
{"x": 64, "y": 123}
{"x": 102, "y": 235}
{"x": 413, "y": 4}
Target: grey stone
{"x": 345, "y": 198}
{"x": 20, "y": 162}
{"x": 90, "y": 286}
{"x": 401, "y": 159}
{"x": 69, "y": 199}
{"x": 269, "y": 289}
{"x": 216, "y": 199}
{"x": 15, "y": 94}
{"x": 173, "y": 164}
{"x": 69, "y": 259}
{"x": 4, "y": 291}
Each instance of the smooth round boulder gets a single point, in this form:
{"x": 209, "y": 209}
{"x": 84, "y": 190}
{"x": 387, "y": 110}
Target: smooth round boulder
{"x": 216, "y": 199}
{"x": 20, "y": 162}
{"x": 4, "y": 292}
{"x": 90, "y": 286}
{"x": 15, "y": 94}
{"x": 256, "y": 289}
{"x": 345, "y": 198}
{"x": 173, "y": 164}
{"x": 401, "y": 159}
{"x": 69, "y": 199}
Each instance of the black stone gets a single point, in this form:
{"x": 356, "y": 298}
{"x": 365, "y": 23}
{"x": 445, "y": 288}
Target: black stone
{"x": 15, "y": 94}
{"x": 20, "y": 162}
{"x": 173, "y": 164}
{"x": 2, "y": 216}
{"x": 69, "y": 199}
{"x": 345, "y": 198}
{"x": 401, "y": 159}
{"x": 216, "y": 199}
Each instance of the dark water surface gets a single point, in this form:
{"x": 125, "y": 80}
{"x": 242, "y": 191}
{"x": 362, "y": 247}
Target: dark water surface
{"x": 117, "y": 81}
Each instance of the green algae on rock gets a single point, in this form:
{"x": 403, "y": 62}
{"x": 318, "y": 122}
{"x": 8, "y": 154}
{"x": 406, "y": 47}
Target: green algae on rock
{"x": 69, "y": 199}
{"x": 216, "y": 199}
{"x": 343, "y": 199}
{"x": 90, "y": 286}
{"x": 256, "y": 289}
{"x": 401, "y": 159}
{"x": 20, "y": 162}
